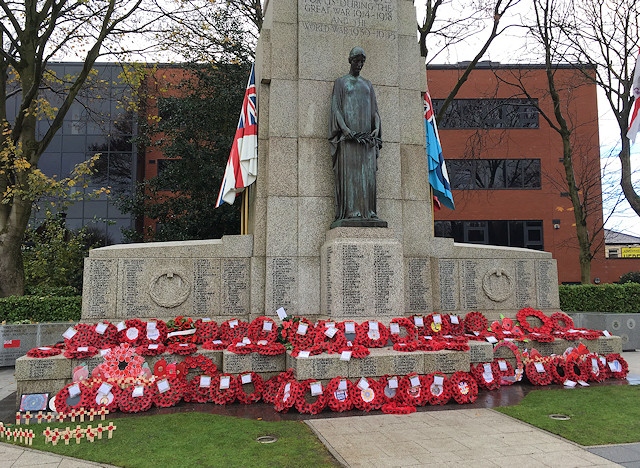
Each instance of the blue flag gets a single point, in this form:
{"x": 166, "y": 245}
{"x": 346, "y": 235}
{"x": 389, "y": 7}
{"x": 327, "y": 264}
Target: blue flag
{"x": 438, "y": 177}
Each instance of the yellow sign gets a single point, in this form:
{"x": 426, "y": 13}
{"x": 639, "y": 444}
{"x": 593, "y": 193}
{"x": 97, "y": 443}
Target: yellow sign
{"x": 630, "y": 252}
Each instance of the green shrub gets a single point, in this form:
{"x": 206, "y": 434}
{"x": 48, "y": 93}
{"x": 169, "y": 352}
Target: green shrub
{"x": 614, "y": 298}
{"x": 631, "y": 277}
{"x": 40, "y": 309}
{"x": 57, "y": 291}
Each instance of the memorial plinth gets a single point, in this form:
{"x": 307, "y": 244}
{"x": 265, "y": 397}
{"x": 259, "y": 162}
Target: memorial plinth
{"x": 361, "y": 275}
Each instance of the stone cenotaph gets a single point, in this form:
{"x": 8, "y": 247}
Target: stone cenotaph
{"x": 291, "y": 258}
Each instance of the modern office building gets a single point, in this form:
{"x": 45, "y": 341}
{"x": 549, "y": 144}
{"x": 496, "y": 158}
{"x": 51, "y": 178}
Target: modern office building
{"x": 99, "y": 121}
{"x": 505, "y": 163}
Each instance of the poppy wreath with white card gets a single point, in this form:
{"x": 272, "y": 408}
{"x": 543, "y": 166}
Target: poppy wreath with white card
{"x": 241, "y": 346}
{"x": 538, "y": 371}
{"x": 367, "y": 394}
{"x": 262, "y": 328}
{"x": 339, "y": 390}
{"x": 198, "y": 389}
{"x": 270, "y": 348}
{"x": 223, "y": 389}
{"x": 595, "y": 366}
{"x": 402, "y": 330}
{"x": 72, "y": 395}
{"x": 272, "y": 385}
{"x": 313, "y": 398}
{"x": 301, "y": 334}
{"x": 104, "y": 335}
{"x": 249, "y": 388}
{"x": 329, "y": 337}
{"x": 288, "y": 393}
{"x": 151, "y": 349}
{"x": 82, "y": 334}
{"x": 464, "y": 387}
{"x": 215, "y": 345}
{"x": 202, "y": 362}
{"x": 487, "y": 375}
{"x": 573, "y": 371}
{"x": 233, "y": 329}
{"x": 617, "y": 366}
{"x": 80, "y": 352}
{"x": 437, "y": 324}
{"x": 206, "y": 330}
{"x": 101, "y": 394}
{"x": 475, "y": 323}
{"x": 518, "y": 371}
{"x": 389, "y": 385}
{"x": 156, "y": 332}
{"x": 372, "y": 334}
{"x": 136, "y": 398}
{"x": 169, "y": 391}
{"x": 133, "y": 333}
{"x": 438, "y": 387}
{"x": 412, "y": 390}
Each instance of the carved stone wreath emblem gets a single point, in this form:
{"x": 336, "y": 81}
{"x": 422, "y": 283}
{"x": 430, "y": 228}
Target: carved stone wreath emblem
{"x": 169, "y": 289}
{"x": 497, "y": 285}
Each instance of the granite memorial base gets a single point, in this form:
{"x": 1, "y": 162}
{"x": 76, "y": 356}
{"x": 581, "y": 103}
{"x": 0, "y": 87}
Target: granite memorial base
{"x": 18, "y": 339}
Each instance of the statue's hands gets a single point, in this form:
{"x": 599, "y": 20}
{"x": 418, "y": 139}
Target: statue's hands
{"x": 348, "y": 134}
{"x": 376, "y": 132}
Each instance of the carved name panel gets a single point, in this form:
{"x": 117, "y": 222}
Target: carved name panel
{"x": 448, "y": 282}
{"x": 418, "y": 280}
{"x": 100, "y": 281}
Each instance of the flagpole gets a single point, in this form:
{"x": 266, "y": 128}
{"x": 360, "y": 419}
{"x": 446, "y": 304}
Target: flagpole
{"x": 243, "y": 212}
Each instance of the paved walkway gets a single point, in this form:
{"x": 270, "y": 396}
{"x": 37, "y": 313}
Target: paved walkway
{"x": 464, "y": 437}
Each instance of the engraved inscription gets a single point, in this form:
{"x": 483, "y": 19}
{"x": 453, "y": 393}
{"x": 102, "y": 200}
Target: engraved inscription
{"x": 352, "y": 260}
{"x": 524, "y": 283}
{"x": 99, "y": 277}
{"x": 204, "y": 286}
{"x": 328, "y": 281}
{"x": 446, "y": 269}
{"x": 470, "y": 273}
{"x": 131, "y": 287}
{"x": 403, "y": 365}
{"x": 350, "y": 18}
{"x": 234, "y": 286}
{"x": 260, "y": 363}
{"x": 383, "y": 274}
{"x": 418, "y": 288}
{"x": 369, "y": 367}
{"x": 544, "y": 285}
{"x": 40, "y": 369}
{"x": 282, "y": 281}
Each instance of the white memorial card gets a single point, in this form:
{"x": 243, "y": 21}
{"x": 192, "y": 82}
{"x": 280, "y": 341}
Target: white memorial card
{"x": 101, "y": 328}
{"x": 345, "y": 355}
{"x": 502, "y": 365}
{"x": 121, "y": 326}
{"x": 438, "y": 380}
{"x": 70, "y": 333}
{"x": 316, "y": 388}
{"x": 138, "y": 391}
{"x": 418, "y": 321}
{"x": 281, "y": 313}
{"x": 349, "y": 327}
{"x": 246, "y": 378}
{"x": 302, "y": 328}
{"x": 394, "y": 328}
{"x": 83, "y": 349}
{"x": 330, "y": 332}
{"x": 492, "y": 339}
{"x": 363, "y": 383}
{"x": 304, "y": 354}
{"x": 163, "y": 385}
{"x": 437, "y": 318}
{"x": 393, "y": 382}
{"x": 267, "y": 326}
{"x": 539, "y": 367}
{"x": 373, "y": 326}
{"x": 105, "y": 388}
{"x": 205, "y": 381}
{"x": 342, "y": 385}
{"x": 225, "y": 381}
{"x": 74, "y": 390}
{"x": 233, "y": 323}
{"x": 415, "y": 381}
{"x": 454, "y": 319}
{"x": 569, "y": 383}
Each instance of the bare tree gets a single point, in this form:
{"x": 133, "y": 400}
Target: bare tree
{"x": 605, "y": 34}
{"x": 31, "y": 34}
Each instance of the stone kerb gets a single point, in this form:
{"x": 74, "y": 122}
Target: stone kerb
{"x": 209, "y": 278}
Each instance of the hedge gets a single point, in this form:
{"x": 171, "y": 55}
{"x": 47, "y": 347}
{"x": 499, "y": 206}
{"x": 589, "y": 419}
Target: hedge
{"x": 40, "y": 309}
{"x": 615, "y": 298}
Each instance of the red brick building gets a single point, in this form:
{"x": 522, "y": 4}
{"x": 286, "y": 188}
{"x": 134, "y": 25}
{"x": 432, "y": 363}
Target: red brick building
{"x": 505, "y": 163}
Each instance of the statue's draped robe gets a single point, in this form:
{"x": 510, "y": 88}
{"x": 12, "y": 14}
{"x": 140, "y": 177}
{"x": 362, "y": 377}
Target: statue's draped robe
{"x": 354, "y": 164}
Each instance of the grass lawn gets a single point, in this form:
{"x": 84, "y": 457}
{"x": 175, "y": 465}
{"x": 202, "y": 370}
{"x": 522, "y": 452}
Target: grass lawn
{"x": 196, "y": 439}
{"x": 608, "y": 414}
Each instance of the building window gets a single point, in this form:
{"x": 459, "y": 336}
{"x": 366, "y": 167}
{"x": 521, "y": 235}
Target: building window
{"x": 494, "y": 174}
{"x": 510, "y": 233}
{"x": 489, "y": 113}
